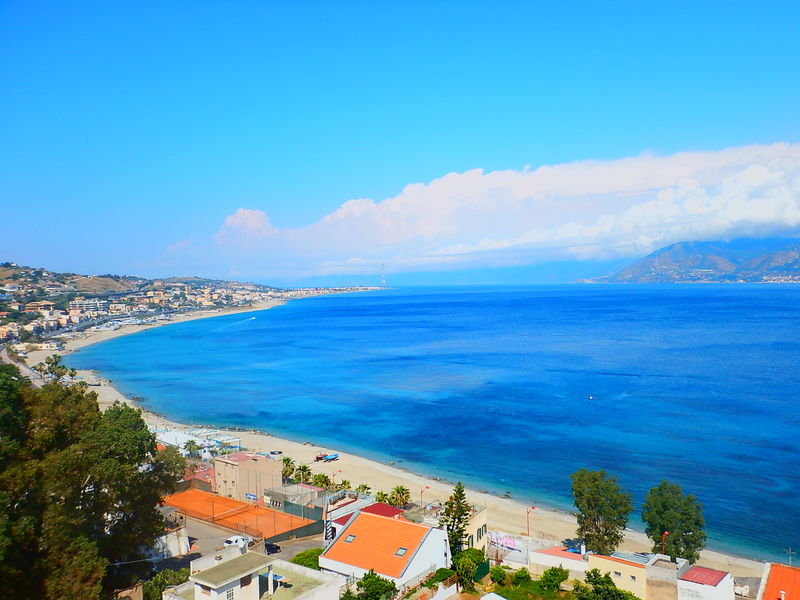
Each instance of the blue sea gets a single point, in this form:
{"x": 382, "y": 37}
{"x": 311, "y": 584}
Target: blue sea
{"x": 511, "y": 389}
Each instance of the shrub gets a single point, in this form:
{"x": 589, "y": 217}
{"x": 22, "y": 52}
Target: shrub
{"x": 521, "y": 577}
{"x": 308, "y": 558}
{"x": 552, "y": 578}
{"x": 498, "y": 575}
{"x": 439, "y": 576}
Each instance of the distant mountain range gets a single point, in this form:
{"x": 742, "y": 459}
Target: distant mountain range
{"x": 773, "y": 260}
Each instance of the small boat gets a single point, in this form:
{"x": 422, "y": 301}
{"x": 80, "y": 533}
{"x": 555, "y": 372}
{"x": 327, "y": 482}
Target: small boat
{"x": 330, "y": 457}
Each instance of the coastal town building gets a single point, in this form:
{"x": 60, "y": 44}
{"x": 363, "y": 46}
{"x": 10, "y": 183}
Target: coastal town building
{"x": 235, "y": 574}
{"x": 245, "y": 476}
{"x": 701, "y": 583}
{"x": 558, "y": 556}
{"x": 779, "y": 582}
{"x": 393, "y": 547}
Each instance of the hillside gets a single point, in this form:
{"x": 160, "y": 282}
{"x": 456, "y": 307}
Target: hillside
{"x": 744, "y": 260}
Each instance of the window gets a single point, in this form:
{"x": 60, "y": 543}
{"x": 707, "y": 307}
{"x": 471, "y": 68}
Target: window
{"x": 469, "y": 541}
{"x": 633, "y": 577}
{"x": 349, "y": 538}
{"x": 229, "y": 594}
{"x": 617, "y": 574}
{"x": 401, "y": 551}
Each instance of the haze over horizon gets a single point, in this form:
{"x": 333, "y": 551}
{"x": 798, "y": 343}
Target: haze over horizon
{"x": 315, "y": 143}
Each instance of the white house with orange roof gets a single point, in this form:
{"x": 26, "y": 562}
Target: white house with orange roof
{"x": 779, "y": 582}
{"x": 393, "y": 547}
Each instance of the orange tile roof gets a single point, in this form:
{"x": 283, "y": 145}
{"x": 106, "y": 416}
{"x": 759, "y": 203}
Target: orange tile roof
{"x": 782, "y": 578}
{"x": 376, "y": 542}
{"x": 620, "y": 560}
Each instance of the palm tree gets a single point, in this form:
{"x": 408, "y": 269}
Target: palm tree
{"x": 363, "y": 488}
{"x": 382, "y": 497}
{"x": 321, "y": 480}
{"x": 344, "y": 484}
{"x": 400, "y": 495}
{"x": 288, "y": 468}
{"x": 192, "y": 448}
{"x": 302, "y": 474}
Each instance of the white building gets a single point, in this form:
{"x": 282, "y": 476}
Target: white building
{"x": 700, "y": 583}
{"x": 395, "y": 548}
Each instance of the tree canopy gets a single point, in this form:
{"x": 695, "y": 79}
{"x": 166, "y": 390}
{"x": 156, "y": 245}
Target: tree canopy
{"x": 374, "y": 587}
{"x": 603, "y": 509}
{"x": 600, "y": 587}
{"x": 79, "y": 490}
{"x": 455, "y": 518}
{"x": 667, "y": 509}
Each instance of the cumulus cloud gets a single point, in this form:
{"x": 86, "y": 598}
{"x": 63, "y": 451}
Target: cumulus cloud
{"x": 582, "y": 210}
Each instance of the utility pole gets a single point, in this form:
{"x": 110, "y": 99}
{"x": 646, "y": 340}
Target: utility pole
{"x": 791, "y": 553}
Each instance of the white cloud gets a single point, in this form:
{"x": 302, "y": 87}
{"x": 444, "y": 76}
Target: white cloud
{"x": 588, "y": 209}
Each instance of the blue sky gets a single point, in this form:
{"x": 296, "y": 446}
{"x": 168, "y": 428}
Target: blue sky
{"x": 275, "y": 141}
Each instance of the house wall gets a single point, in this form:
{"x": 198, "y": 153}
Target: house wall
{"x": 236, "y": 480}
{"x": 433, "y": 553}
{"x": 689, "y": 590}
{"x": 328, "y": 588}
{"x": 625, "y": 576}
{"x": 173, "y": 543}
{"x": 477, "y": 530}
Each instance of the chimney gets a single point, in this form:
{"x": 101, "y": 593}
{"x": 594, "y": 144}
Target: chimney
{"x": 783, "y": 595}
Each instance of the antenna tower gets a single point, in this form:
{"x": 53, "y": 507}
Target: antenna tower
{"x": 383, "y": 275}
{"x": 791, "y": 553}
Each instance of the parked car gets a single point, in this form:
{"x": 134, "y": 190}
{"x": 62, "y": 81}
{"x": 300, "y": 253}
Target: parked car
{"x": 242, "y": 541}
{"x": 272, "y": 548}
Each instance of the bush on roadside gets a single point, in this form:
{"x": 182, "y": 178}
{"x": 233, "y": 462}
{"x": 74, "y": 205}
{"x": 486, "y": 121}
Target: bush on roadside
{"x": 308, "y": 558}
{"x": 498, "y": 575}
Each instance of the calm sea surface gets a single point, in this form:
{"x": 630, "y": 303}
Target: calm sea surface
{"x": 514, "y": 388}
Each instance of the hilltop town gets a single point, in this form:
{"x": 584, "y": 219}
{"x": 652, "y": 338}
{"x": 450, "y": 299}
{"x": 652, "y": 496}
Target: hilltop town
{"x": 36, "y": 303}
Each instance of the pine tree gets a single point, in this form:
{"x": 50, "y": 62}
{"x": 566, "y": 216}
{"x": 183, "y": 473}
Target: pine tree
{"x": 455, "y": 518}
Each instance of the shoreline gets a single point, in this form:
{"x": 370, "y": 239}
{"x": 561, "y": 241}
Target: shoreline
{"x": 548, "y": 526}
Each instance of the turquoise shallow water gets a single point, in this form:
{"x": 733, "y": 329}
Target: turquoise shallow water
{"x": 513, "y": 388}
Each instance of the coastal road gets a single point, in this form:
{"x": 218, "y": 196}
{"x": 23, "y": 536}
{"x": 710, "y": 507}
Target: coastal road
{"x": 36, "y": 379}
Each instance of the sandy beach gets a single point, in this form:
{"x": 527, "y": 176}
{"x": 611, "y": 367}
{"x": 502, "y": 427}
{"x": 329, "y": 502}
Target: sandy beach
{"x": 504, "y": 515}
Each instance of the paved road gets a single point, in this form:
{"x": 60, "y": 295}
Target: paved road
{"x": 36, "y": 379}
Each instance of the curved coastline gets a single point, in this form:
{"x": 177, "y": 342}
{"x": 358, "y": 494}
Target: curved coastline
{"x": 508, "y": 515}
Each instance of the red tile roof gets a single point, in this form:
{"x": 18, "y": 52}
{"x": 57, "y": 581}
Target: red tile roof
{"x": 785, "y": 579}
{"x": 704, "y": 575}
{"x": 385, "y": 510}
{"x": 375, "y": 541}
{"x": 378, "y": 508}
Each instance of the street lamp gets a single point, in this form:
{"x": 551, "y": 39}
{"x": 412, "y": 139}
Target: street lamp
{"x": 528, "y": 518}
{"x": 663, "y": 539}
{"x": 427, "y": 487}
{"x": 333, "y": 476}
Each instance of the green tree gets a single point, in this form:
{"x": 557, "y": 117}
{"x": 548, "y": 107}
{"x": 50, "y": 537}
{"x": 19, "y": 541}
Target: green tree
{"x": 374, "y": 587}
{"x": 302, "y": 474}
{"x": 288, "y": 467}
{"x": 363, "y": 488}
{"x": 321, "y": 480}
{"x": 154, "y": 588}
{"x": 521, "y": 576}
{"x": 603, "y": 509}
{"x": 344, "y": 484}
{"x": 666, "y": 508}
{"x": 382, "y": 497}
{"x": 600, "y": 587}
{"x": 308, "y": 558}
{"x": 52, "y": 368}
{"x": 192, "y": 448}
{"x": 348, "y": 594}
{"x": 465, "y": 567}
{"x": 80, "y": 494}
{"x": 400, "y": 495}
{"x": 498, "y": 575}
{"x": 552, "y": 578}
{"x": 455, "y": 518}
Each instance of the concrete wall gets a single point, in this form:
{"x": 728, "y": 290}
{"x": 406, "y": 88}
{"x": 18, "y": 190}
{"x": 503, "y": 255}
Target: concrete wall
{"x": 688, "y": 590}
{"x": 329, "y": 584}
{"x": 172, "y": 543}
